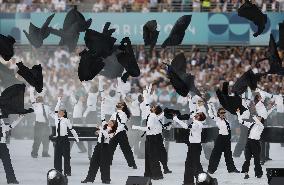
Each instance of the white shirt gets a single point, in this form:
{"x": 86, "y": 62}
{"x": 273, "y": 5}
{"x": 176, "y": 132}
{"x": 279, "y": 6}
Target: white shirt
{"x": 121, "y": 122}
{"x": 65, "y": 123}
{"x": 38, "y": 108}
{"x": 256, "y": 130}
{"x": 134, "y": 108}
{"x": 78, "y": 110}
{"x": 106, "y": 135}
{"x": 154, "y": 126}
{"x": 195, "y": 131}
{"x": 108, "y": 104}
{"x": 6, "y": 128}
{"x": 279, "y": 103}
{"x": 145, "y": 110}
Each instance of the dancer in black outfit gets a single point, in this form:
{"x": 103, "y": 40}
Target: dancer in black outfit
{"x": 222, "y": 143}
{"x": 101, "y": 155}
{"x": 62, "y": 144}
{"x": 192, "y": 164}
{"x": 253, "y": 148}
{"x": 4, "y": 151}
{"x": 121, "y": 116}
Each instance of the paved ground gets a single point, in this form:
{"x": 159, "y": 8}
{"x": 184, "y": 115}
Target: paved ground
{"x": 31, "y": 171}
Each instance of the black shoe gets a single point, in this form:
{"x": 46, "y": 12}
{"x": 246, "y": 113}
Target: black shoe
{"x": 106, "y": 182}
{"x": 46, "y": 155}
{"x": 67, "y": 174}
{"x": 262, "y": 162}
{"x": 268, "y": 159}
{"x": 246, "y": 176}
{"x": 167, "y": 171}
{"x": 157, "y": 178}
{"x": 34, "y": 155}
{"x": 86, "y": 181}
{"x": 259, "y": 176}
{"x": 134, "y": 167}
{"x": 234, "y": 171}
{"x": 13, "y": 182}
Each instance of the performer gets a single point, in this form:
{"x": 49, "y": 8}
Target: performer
{"x": 62, "y": 144}
{"x": 153, "y": 132}
{"x": 240, "y": 146}
{"x": 192, "y": 164}
{"x": 41, "y": 128}
{"x": 101, "y": 155}
{"x": 222, "y": 143}
{"x": 4, "y": 151}
{"x": 91, "y": 114}
{"x": 263, "y": 112}
{"x": 78, "y": 103}
{"x": 252, "y": 148}
{"x": 121, "y": 116}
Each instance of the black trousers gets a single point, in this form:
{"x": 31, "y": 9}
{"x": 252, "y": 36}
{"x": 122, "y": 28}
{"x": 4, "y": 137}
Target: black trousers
{"x": 122, "y": 139}
{"x": 241, "y": 144}
{"x": 163, "y": 152}
{"x": 152, "y": 157}
{"x": 252, "y": 149}
{"x": 192, "y": 164}
{"x": 79, "y": 144}
{"x": 62, "y": 149}
{"x": 100, "y": 160}
{"x": 6, "y": 160}
{"x": 41, "y": 136}
{"x": 222, "y": 144}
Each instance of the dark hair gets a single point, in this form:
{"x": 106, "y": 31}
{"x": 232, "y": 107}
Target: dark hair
{"x": 112, "y": 93}
{"x": 140, "y": 98}
{"x": 219, "y": 111}
{"x": 126, "y": 110}
{"x": 158, "y": 110}
{"x": 202, "y": 116}
{"x": 256, "y": 98}
{"x": 114, "y": 128}
{"x": 262, "y": 120}
{"x": 65, "y": 114}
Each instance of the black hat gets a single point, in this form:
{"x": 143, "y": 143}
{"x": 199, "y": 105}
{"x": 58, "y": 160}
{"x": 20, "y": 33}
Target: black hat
{"x": 181, "y": 81}
{"x": 150, "y": 33}
{"x": 230, "y": 103}
{"x": 7, "y": 76}
{"x": 253, "y": 13}
{"x": 69, "y": 36}
{"x": 37, "y": 35}
{"x": 177, "y": 34}
{"x": 74, "y": 16}
{"x": 90, "y": 65}
{"x": 32, "y": 76}
{"x": 248, "y": 79}
{"x": 127, "y": 59}
{"x": 112, "y": 68}
{"x": 100, "y": 43}
{"x": 281, "y": 35}
{"x": 12, "y": 100}
{"x": 7, "y": 47}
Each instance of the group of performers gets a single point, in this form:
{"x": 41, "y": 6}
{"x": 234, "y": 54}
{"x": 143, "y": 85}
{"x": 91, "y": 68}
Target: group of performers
{"x": 114, "y": 131}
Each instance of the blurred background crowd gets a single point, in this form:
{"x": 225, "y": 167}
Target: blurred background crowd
{"x": 135, "y": 5}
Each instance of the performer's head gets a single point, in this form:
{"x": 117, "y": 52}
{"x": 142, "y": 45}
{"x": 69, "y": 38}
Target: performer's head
{"x": 257, "y": 98}
{"x": 122, "y": 106}
{"x": 39, "y": 99}
{"x": 62, "y": 113}
{"x": 140, "y": 98}
{"x": 221, "y": 113}
{"x": 112, "y": 126}
{"x": 200, "y": 116}
{"x": 157, "y": 109}
{"x": 260, "y": 119}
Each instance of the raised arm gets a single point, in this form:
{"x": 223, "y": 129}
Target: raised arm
{"x": 32, "y": 95}
{"x": 212, "y": 111}
{"x": 13, "y": 124}
{"x": 240, "y": 119}
{"x": 181, "y": 123}
{"x": 74, "y": 133}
